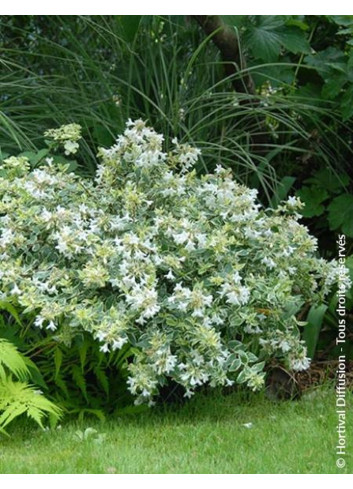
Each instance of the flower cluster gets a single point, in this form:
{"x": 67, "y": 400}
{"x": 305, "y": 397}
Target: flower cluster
{"x": 191, "y": 271}
{"x": 67, "y": 136}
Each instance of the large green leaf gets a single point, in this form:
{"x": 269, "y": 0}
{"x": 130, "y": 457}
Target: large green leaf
{"x": 333, "y": 86}
{"x": 345, "y": 20}
{"x": 313, "y": 328}
{"x": 11, "y": 361}
{"x": 327, "y": 61}
{"x": 283, "y": 189}
{"x": 17, "y": 398}
{"x": 234, "y": 20}
{"x": 341, "y": 214}
{"x": 7, "y": 306}
{"x": 269, "y": 34}
{"x": 294, "y": 40}
{"x": 130, "y": 25}
{"x": 264, "y": 38}
{"x": 313, "y": 197}
{"x": 327, "y": 179}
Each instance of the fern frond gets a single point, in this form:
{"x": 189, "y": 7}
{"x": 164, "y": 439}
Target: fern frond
{"x": 80, "y": 380}
{"x": 17, "y": 398}
{"x": 102, "y": 378}
{"x": 12, "y": 360}
{"x": 7, "y": 306}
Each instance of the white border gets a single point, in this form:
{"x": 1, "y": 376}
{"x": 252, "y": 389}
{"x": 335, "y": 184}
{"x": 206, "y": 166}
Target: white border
{"x": 172, "y": 481}
{"x": 182, "y": 7}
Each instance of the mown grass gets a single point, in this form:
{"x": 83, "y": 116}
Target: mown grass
{"x": 209, "y": 434}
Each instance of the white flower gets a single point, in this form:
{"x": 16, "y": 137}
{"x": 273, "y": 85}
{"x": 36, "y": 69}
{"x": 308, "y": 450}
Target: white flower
{"x": 181, "y": 237}
{"x": 235, "y": 294}
{"x": 299, "y": 364}
{"x": 268, "y": 262}
{"x": 16, "y": 290}
{"x": 170, "y": 275}
{"x": 39, "y": 321}
{"x": 51, "y": 326}
{"x": 46, "y": 215}
{"x": 104, "y": 348}
{"x": 292, "y": 200}
{"x": 119, "y": 343}
{"x": 7, "y": 237}
{"x": 101, "y": 335}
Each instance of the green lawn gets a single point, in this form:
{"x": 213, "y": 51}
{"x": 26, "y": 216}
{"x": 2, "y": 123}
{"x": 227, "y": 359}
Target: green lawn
{"x": 206, "y": 435}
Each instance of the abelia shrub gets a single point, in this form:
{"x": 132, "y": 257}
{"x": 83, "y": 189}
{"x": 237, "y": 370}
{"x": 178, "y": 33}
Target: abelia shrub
{"x": 190, "y": 270}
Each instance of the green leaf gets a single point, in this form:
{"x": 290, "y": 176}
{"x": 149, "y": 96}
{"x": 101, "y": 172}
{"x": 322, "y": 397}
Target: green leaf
{"x": 295, "y": 40}
{"x": 234, "y": 20}
{"x": 7, "y": 306}
{"x": 313, "y": 328}
{"x": 102, "y": 378}
{"x": 345, "y": 20}
{"x": 333, "y": 87}
{"x": 34, "y": 373}
{"x": 298, "y": 23}
{"x": 340, "y": 214}
{"x": 347, "y": 104}
{"x": 83, "y": 411}
{"x": 17, "y": 398}
{"x": 11, "y": 412}
{"x": 270, "y": 33}
{"x": 327, "y": 179}
{"x": 60, "y": 382}
{"x": 80, "y": 380}
{"x": 258, "y": 367}
{"x": 313, "y": 198}
{"x": 277, "y": 74}
{"x": 283, "y": 189}
{"x": 103, "y": 136}
{"x": 12, "y": 361}
{"x": 263, "y": 38}
{"x": 233, "y": 362}
{"x": 130, "y": 25}
{"x": 35, "y": 158}
{"x": 242, "y": 377}
{"x": 326, "y": 61}
{"x": 58, "y": 358}
{"x": 82, "y": 351}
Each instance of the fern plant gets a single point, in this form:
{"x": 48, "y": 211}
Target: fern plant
{"x": 17, "y": 396}
{"x": 83, "y": 379}
{"x": 12, "y": 361}
{"x": 70, "y": 368}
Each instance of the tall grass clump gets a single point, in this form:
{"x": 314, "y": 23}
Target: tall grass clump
{"x": 101, "y": 70}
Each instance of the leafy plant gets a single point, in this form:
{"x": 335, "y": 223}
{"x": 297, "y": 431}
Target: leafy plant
{"x": 340, "y": 214}
{"x": 162, "y": 69}
{"x": 326, "y": 195}
{"x": 11, "y": 360}
{"x": 83, "y": 379}
{"x": 190, "y": 271}
{"x": 90, "y": 434}
{"x": 71, "y": 370}
{"x": 17, "y": 397}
